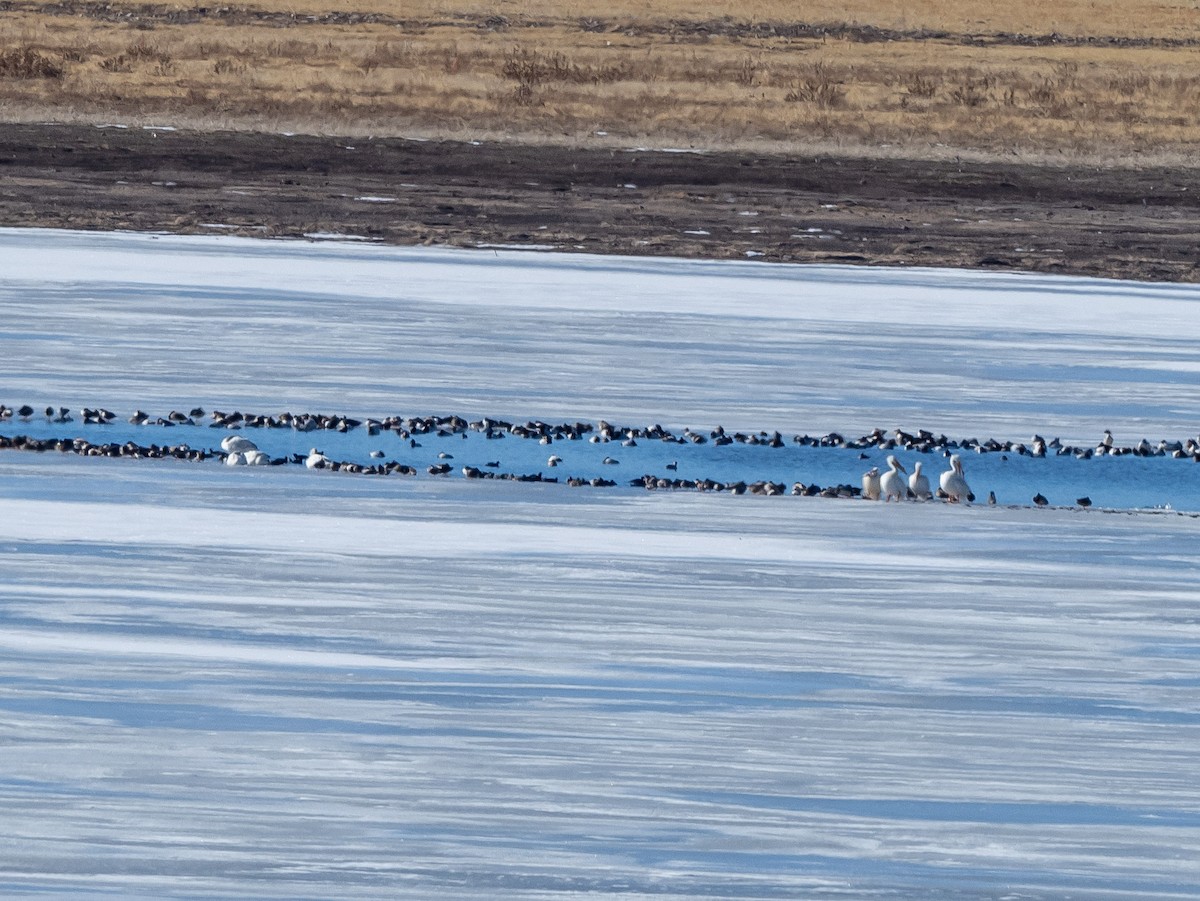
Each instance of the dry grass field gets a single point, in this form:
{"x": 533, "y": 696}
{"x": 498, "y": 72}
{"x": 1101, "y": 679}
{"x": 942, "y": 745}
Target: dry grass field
{"x": 1117, "y": 82}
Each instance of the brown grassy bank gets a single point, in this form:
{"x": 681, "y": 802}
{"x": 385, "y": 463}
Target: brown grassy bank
{"x": 1115, "y": 82}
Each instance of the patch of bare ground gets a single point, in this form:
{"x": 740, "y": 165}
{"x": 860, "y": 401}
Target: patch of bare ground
{"x": 727, "y": 205}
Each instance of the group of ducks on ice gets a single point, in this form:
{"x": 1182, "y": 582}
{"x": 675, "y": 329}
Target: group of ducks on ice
{"x": 891, "y": 485}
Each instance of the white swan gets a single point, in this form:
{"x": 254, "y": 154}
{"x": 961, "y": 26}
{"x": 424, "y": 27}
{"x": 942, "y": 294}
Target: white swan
{"x": 870, "y": 484}
{"x": 953, "y": 483}
{"x": 316, "y": 460}
{"x": 892, "y": 484}
{"x": 236, "y": 444}
{"x": 237, "y": 458}
{"x": 257, "y": 458}
{"x": 918, "y": 483}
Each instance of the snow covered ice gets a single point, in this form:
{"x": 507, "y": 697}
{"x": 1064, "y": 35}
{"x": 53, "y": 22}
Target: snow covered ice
{"x": 276, "y": 682}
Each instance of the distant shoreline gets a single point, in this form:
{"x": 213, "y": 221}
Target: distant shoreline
{"x": 1070, "y": 219}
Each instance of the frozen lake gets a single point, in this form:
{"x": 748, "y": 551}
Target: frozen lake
{"x": 276, "y": 682}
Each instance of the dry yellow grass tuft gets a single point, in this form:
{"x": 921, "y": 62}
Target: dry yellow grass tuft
{"x": 1077, "y": 79}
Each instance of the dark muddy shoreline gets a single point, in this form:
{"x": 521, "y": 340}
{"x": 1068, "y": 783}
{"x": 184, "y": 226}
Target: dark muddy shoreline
{"x": 1116, "y": 223}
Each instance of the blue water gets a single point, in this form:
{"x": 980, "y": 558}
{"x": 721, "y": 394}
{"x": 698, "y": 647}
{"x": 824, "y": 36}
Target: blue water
{"x": 1124, "y": 482}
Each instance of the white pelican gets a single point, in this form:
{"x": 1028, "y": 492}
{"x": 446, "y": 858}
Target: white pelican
{"x": 236, "y": 444}
{"x": 918, "y": 483}
{"x": 316, "y": 460}
{"x": 870, "y": 484}
{"x": 953, "y": 482}
{"x": 891, "y": 485}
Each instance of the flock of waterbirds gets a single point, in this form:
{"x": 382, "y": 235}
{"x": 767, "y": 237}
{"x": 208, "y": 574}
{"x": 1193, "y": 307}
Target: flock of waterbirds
{"x": 236, "y": 449}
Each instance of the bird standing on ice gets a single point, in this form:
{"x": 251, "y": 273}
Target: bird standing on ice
{"x": 953, "y": 483}
{"x": 918, "y": 484}
{"x": 891, "y": 485}
{"x": 870, "y": 484}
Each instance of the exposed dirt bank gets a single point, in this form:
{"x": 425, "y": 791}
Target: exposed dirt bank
{"x": 1120, "y": 223}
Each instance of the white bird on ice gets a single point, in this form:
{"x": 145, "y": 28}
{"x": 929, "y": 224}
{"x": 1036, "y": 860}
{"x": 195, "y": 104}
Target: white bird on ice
{"x": 918, "y": 483}
{"x": 953, "y": 483}
{"x": 316, "y": 460}
{"x": 870, "y": 484}
{"x": 891, "y": 485}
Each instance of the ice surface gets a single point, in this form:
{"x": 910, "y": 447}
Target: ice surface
{"x": 294, "y": 684}
{"x": 154, "y": 321}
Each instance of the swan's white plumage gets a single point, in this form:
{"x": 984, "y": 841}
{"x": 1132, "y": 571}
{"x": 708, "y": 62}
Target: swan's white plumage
{"x": 237, "y": 444}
